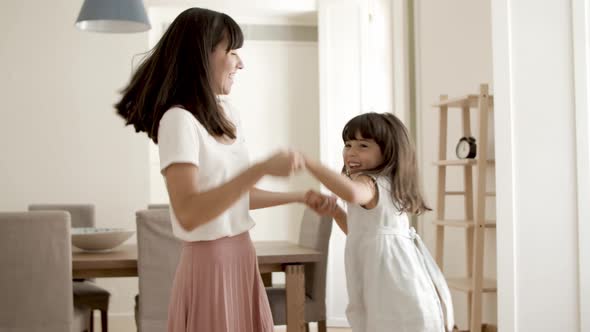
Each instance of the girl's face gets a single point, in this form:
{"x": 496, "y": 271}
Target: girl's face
{"x": 361, "y": 154}
{"x": 224, "y": 66}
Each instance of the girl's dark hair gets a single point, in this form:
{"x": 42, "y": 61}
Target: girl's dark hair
{"x": 399, "y": 157}
{"x": 176, "y": 72}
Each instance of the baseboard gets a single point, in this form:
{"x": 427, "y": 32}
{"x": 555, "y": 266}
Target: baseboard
{"x": 116, "y": 315}
{"x": 126, "y": 322}
{"x": 484, "y": 328}
{"x": 314, "y": 328}
{"x": 337, "y": 322}
{"x": 121, "y": 322}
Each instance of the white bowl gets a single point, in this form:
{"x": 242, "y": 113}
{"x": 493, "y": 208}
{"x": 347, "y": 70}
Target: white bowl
{"x": 89, "y": 238}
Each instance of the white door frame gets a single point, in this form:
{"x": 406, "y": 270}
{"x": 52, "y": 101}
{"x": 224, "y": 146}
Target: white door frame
{"x": 506, "y": 207}
{"x": 581, "y": 44}
{"x": 506, "y": 211}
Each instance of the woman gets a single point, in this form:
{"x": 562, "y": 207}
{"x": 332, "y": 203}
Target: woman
{"x": 174, "y": 98}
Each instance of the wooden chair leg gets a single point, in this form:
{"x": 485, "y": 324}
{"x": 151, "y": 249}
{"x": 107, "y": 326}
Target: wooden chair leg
{"x": 91, "y": 327}
{"x": 322, "y": 326}
{"x": 489, "y": 328}
{"x": 104, "y": 321}
{"x": 266, "y": 279}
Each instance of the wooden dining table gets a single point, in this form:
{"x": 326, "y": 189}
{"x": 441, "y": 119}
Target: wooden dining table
{"x": 273, "y": 256}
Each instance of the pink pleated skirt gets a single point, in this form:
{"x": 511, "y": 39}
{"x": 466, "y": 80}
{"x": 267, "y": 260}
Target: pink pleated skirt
{"x": 217, "y": 288}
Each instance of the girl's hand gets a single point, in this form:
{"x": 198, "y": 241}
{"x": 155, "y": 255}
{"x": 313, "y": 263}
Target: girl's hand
{"x": 284, "y": 163}
{"x": 322, "y": 204}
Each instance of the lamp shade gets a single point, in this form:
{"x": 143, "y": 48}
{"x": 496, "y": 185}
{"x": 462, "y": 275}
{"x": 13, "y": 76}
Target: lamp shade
{"x": 117, "y": 16}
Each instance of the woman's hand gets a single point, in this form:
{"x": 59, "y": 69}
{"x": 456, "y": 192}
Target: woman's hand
{"x": 322, "y": 204}
{"x": 284, "y": 163}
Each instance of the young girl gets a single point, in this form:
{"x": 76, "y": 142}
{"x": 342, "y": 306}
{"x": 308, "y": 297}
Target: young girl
{"x": 393, "y": 282}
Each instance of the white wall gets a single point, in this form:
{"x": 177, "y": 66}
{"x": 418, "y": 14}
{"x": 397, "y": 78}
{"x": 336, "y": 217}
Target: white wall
{"x": 536, "y": 160}
{"x": 60, "y": 139}
{"x": 277, "y": 93}
{"x": 277, "y": 11}
{"x": 453, "y": 56}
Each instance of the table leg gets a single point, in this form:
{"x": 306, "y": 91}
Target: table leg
{"x": 266, "y": 279}
{"x": 295, "y": 288}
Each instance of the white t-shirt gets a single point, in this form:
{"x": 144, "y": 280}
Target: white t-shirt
{"x": 182, "y": 139}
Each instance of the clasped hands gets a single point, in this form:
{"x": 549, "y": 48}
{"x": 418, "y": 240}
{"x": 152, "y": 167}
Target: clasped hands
{"x": 288, "y": 162}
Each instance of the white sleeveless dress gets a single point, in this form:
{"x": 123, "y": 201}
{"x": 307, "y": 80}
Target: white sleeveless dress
{"x": 393, "y": 283}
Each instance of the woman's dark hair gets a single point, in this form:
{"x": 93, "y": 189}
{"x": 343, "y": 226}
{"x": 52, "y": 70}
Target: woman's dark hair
{"x": 176, "y": 72}
{"x": 399, "y": 158}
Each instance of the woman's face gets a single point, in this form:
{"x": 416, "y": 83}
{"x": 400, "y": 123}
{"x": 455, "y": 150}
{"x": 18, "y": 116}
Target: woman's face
{"x": 224, "y": 66}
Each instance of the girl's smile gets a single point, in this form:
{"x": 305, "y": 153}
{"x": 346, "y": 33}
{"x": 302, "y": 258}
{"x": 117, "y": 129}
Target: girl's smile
{"x": 361, "y": 154}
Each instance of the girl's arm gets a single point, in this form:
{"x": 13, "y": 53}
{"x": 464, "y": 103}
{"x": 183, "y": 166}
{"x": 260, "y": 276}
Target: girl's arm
{"x": 340, "y": 218}
{"x": 326, "y": 206}
{"x": 361, "y": 190}
{"x": 260, "y": 199}
{"x": 193, "y": 207}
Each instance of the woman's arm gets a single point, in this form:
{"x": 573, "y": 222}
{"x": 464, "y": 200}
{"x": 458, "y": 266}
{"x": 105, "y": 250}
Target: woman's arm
{"x": 361, "y": 190}
{"x": 260, "y": 199}
{"x": 194, "y": 207}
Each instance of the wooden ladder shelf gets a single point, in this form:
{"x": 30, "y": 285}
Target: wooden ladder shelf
{"x": 475, "y": 222}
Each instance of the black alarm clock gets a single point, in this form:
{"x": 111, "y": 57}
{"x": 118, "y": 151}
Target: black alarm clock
{"x": 466, "y": 148}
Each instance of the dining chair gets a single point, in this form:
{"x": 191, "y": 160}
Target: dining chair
{"x": 36, "y": 278}
{"x": 315, "y": 234}
{"x": 158, "y": 253}
{"x": 86, "y": 292}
